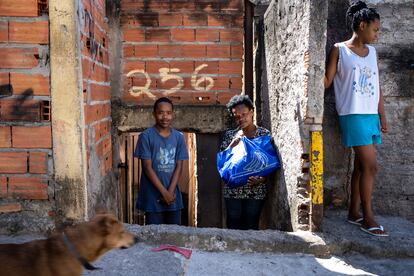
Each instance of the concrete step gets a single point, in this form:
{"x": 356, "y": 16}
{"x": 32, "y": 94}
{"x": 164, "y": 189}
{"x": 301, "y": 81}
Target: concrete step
{"x": 338, "y": 238}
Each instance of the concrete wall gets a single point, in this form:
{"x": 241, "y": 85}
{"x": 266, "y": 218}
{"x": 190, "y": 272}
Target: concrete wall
{"x": 26, "y": 167}
{"x": 393, "y": 191}
{"x": 294, "y": 35}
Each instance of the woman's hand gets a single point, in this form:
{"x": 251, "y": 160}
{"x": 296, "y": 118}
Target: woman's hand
{"x": 234, "y": 142}
{"x": 256, "y": 180}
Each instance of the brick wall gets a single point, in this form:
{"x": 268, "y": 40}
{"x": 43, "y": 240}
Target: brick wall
{"x": 191, "y": 51}
{"x": 25, "y": 131}
{"x": 96, "y": 88}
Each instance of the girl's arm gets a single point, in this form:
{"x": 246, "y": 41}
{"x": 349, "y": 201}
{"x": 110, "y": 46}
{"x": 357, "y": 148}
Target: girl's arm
{"x": 331, "y": 67}
{"x": 381, "y": 111}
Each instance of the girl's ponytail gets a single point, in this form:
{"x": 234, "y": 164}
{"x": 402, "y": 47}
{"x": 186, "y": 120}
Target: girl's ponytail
{"x": 359, "y": 12}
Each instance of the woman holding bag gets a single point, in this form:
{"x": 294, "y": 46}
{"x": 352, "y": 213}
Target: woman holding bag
{"x": 244, "y": 204}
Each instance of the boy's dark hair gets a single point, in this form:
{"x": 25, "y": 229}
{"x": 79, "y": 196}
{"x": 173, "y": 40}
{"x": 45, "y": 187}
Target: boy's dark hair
{"x": 239, "y": 99}
{"x": 163, "y": 100}
{"x": 359, "y": 12}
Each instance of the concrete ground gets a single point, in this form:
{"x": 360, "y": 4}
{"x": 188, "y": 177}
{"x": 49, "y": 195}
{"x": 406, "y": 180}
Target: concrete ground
{"x": 342, "y": 249}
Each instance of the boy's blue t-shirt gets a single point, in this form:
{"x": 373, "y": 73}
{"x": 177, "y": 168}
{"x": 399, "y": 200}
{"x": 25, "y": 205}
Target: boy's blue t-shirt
{"x": 164, "y": 152}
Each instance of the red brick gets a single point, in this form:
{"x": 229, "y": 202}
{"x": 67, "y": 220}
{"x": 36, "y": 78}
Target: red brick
{"x": 231, "y": 35}
{"x": 31, "y": 137}
{"x": 157, "y": 35}
{"x": 212, "y": 67}
{"x": 38, "y": 162}
{"x": 29, "y": 32}
{"x": 193, "y": 51}
{"x": 5, "y": 137}
{"x": 102, "y": 129}
{"x": 230, "y": 67}
{"x": 224, "y": 97}
{"x": 99, "y": 92}
{"x": 186, "y": 67}
{"x": 22, "y": 82}
{"x": 170, "y": 50}
{"x": 153, "y": 67}
{"x": 146, "y": 50}
{"x": 100, "y": 73}
{"x": 4, "y": 78}
{"x": 28, "y": 187}
{"x": 3, "y": 186}
{"x": 147, "y": 19}
{"x": 172, "y": 83}
{"x": 20, "y": 110}
{"x": 140, "y": 80}
{"x": 218, "y": 51}
{"x": 4, "y": 31}
{"x": 133, "y": 35}
{"x": 232, "y": 5}
{"x": 18, "y": 8}
{"x": 237, "y": 51}
{"x": 128, "y": 51}
{"x": 10, "y": 207}
{"x": 104, "y": 147}
{"x": 186, "y": 5}
{"x": 182, "y": 35}
{"x": 127, "y": 6}
{"x": 168, "y": 19}
{"x": 221, "y": 83}
{"x": 207, "y": 35}
{"x": 97, "y": 112}
{"x": 18, "y": 57}
{"x": 13, "y": 162}
{"x": 195, "y": 19}
{"x": 133, "y": 65}
{"x": 236, "y": 83}
{"x": 218, "y": 20}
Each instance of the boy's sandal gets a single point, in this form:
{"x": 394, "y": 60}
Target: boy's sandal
{"x": 372, "y": 229}
{"x": 357, "y": 221}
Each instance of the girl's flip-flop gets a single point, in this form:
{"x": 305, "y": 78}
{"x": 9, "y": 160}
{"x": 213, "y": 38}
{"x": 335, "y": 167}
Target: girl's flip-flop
{"x": 372, "y": 229}
{"x": 357, "y": 221}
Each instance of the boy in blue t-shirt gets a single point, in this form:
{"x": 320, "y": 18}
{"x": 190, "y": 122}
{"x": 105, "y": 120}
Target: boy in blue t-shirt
{"x": 162, "y": 151}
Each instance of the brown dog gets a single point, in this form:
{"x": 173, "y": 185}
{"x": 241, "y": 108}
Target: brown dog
{"x": 67, "y": 253}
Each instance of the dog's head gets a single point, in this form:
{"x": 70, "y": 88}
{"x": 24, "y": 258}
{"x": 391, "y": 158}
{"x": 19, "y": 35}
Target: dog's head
{"x": 113, "y": 232}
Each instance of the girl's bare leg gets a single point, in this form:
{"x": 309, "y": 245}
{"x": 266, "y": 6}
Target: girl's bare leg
{"x": 368, "y": 168}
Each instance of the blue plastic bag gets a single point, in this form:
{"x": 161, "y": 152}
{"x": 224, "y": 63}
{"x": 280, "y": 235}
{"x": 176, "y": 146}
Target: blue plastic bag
{"x": 250, "y": 157}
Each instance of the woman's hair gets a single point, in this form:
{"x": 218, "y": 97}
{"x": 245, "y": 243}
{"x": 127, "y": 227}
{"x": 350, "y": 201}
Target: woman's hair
{"x": 162, "y": 100}
{"x": 359, "y": 12}
{"x": 239, "y": 99}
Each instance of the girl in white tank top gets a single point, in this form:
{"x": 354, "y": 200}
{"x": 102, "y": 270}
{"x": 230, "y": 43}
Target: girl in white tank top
{"x": 352, "y": 66}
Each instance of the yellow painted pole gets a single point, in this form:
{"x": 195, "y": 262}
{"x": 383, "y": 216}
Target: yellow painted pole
{"x": 316, "y": 180}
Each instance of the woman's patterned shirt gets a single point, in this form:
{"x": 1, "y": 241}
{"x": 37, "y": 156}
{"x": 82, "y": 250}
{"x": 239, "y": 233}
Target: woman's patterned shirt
{"x": 244, "y": 192}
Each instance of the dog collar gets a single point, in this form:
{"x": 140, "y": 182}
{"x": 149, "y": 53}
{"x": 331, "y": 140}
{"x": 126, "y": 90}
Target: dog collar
{"x": 75, "y": 252}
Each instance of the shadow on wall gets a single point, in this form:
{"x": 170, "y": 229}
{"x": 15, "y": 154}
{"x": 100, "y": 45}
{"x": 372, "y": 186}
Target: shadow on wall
{"x": 276, "y": 210}
{"x": 151, "y": 9}
{"x": 337, "y": 159}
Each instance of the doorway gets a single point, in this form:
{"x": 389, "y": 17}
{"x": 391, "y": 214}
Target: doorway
{"x": 199, "y": 184}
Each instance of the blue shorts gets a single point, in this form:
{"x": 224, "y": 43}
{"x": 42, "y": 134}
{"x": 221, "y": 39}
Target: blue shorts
{"x": 360, "y": 129}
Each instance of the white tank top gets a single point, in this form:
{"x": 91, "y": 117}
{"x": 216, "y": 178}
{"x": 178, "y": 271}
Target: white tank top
{"x": 356, "y": 82}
